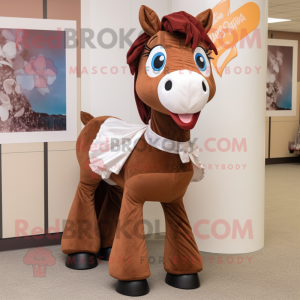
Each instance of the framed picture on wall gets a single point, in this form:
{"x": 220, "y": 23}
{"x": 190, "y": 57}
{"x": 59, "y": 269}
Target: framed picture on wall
{"x": 38, "y": 90}
{"x": 281, "y": 85}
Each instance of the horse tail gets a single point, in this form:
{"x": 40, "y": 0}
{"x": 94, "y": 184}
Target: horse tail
{"x": 85, "y": 117}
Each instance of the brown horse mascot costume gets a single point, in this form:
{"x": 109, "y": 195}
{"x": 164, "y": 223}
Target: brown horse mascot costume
{"x": 173, "y": 82}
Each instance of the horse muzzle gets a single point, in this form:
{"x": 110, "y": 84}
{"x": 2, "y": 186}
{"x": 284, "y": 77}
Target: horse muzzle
{"x": 184, "y": 94}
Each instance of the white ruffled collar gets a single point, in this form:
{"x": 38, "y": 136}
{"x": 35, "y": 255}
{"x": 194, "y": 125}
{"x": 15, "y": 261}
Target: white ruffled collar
{"x": 186, "y": 150}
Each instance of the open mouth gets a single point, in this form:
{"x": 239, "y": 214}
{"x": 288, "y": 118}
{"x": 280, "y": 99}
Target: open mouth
{"x": 185, "y": 121}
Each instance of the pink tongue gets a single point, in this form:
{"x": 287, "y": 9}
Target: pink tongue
{"x": 186, "y": 118}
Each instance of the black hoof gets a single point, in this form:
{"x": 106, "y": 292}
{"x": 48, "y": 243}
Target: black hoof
{"x": 186, "y": 282}
{"x": 104, "y": 253}
{"x": 81, "y": 261}
{"x": 133, "y": 288}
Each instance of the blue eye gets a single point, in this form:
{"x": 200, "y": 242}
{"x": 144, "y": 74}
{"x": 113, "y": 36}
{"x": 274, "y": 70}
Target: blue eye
{"x": 158, "y": 61}
{"x": 200, "y": 62}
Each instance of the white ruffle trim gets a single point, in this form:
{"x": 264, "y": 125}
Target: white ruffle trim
{"x": 198, "y": 173}
{"x": 113, "y": 144}
{"x": 116, "y": 139}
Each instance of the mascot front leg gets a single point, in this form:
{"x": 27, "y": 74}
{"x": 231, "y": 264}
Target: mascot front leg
{"x": 129, "y": 259}
{"x": 182, "y": 260}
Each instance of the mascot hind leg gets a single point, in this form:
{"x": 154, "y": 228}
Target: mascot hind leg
{"x": 108, "y": 215}
{"x": 82, "y": 238}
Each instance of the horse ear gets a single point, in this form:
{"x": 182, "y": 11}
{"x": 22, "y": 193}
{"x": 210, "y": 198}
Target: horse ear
{"x": 149, "y": 20}
{"x": 206, "y": 19}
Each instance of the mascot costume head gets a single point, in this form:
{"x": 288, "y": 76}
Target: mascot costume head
{"x": 170, "y": 61}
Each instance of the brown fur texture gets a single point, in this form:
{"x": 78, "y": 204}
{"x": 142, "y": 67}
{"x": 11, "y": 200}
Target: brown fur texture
{"x": 105, "y": 216}
{"x": 85, "y": 117}
{"x": 206, "y": 18}
{"x": 149, "y": 20}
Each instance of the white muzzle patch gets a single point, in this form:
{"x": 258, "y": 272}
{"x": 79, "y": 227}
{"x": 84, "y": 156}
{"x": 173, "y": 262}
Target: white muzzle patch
{"x": 183, "y": 92}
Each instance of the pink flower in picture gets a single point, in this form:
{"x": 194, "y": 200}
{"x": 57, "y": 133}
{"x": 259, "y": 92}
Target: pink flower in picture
{"x": 38, "y": 73}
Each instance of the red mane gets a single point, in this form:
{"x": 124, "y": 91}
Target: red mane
{"x": 178, "y": 22}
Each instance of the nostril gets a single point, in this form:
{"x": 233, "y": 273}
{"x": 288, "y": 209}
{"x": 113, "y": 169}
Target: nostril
{"x": 168, "y": 85}
{"x": 204, "y": 86}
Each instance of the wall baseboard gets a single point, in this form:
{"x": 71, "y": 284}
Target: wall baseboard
{"x": 282, "y": 160}
{"x": 52, "y": 239}
{"x": 42, "y": 240}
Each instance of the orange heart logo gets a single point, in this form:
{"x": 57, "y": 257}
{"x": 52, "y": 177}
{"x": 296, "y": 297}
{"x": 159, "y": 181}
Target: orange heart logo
{"x": 230, "y": 28}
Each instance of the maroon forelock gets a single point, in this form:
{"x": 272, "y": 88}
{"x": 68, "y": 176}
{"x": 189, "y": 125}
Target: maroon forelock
{"x": 135, "y": 51}
{"x": 176, "y": 22}
{"x": 185, "y": 23}
{"x": 133, "y": 58}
